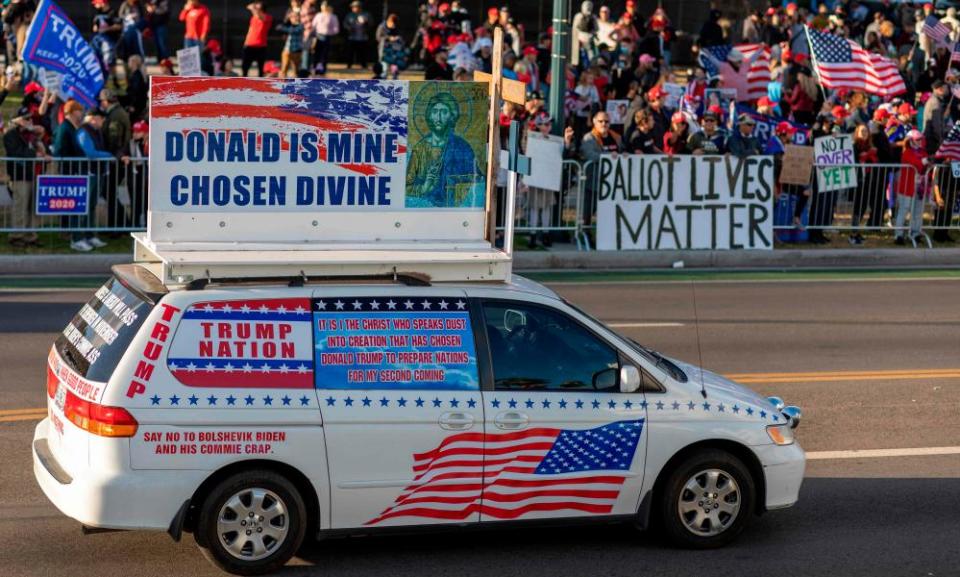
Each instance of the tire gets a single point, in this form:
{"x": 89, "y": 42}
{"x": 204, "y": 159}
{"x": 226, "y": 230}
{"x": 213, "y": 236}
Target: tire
{"x": 243, "y": 545}
{"x": 709, "y": 480}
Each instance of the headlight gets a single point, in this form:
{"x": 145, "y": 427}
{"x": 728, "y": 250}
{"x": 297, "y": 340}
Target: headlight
{"x": 780, "y": 434}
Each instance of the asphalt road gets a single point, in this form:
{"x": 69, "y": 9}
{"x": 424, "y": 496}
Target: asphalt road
{"x": 848, "y": 352}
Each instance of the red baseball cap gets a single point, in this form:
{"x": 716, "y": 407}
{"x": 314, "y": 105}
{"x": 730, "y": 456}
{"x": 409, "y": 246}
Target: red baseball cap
{"x": 655, "y": 93}
{"x": 764, "y": 101}
{"x": 140, "y": 126}
{"x": 631, "y": 3}
{"x": 785, "y": 127}
{"x": 493, "y": 11}
{"x": 881, "y": 114}
{"x": 839, "y": 111}
{"x": 32, "y": 87}
{"x": 678, "y": 117}
{"x": 530, "y": 50}
{"x": 716, "y": 109}
{"x": 906, "y": 110}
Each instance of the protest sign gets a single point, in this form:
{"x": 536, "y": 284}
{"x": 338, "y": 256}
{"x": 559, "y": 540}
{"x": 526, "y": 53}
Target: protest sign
{"x": 617, "y": 111}
{"x": 54, "y": 43}
{"x": 685, "y": 202}
{"x": 546, "y": 161}
{"x": 188, "y": 59}
{"x": 341, "y": 160}
{"x": 797, "y": 163}
{"x": 834, "y": 159}
{"x": 675, "y": 93}
{"x": 62, "y": 194}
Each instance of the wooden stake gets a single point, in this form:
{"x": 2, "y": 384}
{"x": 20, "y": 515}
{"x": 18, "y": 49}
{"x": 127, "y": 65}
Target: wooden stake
{"x": 493, "y": 145}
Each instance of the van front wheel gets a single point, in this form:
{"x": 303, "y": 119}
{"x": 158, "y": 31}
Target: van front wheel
{"x": 252, "y": 523}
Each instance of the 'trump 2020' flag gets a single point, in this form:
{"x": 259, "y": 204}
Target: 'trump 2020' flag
{"x": 843, "y": 63}
{"x": 507, "y": 475}
{"x": 54, "y": 43}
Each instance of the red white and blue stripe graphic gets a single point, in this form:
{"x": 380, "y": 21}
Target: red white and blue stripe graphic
{"x": 286, "y": 106}
{"x": 256, "y": 343}
{"x": 508, "y": 475}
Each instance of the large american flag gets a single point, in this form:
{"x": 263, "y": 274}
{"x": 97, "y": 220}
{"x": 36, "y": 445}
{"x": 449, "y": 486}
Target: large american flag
{"x": 507, "y": 475}
{"x": 950, "y": 147}
{"x": 937, "y": 31}
{"x": 758, "y": 76}
{"x": 842, "y": 63}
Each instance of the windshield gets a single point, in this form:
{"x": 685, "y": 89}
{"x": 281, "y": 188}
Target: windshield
{"x": 95, "y": 339}
{"x": 646, "y": 352}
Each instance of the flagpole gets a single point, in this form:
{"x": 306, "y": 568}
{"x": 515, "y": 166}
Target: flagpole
{"x": 813, "y": 58}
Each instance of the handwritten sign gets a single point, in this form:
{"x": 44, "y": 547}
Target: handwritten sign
{"x": 189, "y": 61}
{"x": 834, "y": 159}
{"x": 797, "y": 162}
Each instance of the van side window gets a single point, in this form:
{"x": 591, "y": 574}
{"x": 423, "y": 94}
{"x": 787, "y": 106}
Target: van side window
{"x": 536, "y": 348}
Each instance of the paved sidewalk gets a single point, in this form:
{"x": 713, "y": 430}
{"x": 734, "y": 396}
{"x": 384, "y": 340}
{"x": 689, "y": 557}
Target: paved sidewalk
{"x": 781, "y": 259}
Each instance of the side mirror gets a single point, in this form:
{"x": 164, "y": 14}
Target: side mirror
{"x": 513, "y": 319}
{"x": 629, "y": 379}
{"x": 605, "y": 379}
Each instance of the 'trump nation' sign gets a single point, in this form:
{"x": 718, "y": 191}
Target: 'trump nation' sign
{"x": 685, "y": 202}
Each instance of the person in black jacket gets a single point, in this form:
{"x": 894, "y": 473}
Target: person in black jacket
{"x": 21, "y": 140}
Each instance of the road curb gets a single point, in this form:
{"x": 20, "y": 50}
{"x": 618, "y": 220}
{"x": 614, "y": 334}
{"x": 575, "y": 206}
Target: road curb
{"x": 882, "y": 258}
{"x": 775, "y": 259}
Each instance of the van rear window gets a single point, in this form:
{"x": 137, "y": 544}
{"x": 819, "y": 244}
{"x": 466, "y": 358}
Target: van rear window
{"x": 95, "y": 339}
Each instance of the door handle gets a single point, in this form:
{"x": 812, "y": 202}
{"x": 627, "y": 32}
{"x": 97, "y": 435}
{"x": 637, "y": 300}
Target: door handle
{"x": 456, "y": 421}
{"x": 511, "y": 420}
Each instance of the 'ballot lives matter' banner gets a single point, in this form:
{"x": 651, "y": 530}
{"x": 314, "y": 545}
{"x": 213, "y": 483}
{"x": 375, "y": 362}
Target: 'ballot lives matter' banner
{"x": 684, "y": 202}
{"x": 353, "y": 160}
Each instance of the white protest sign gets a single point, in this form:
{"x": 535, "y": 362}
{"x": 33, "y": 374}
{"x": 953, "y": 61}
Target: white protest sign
{"x": 546, "y": 161}
{"x": 617, "y": 111}
{"x": 834, "y": 158}
{"x": 955, "y": 169}
{"x": 660, "y": 202}
{"x": 188, "y": 59}
{"x": 675, "y": 93}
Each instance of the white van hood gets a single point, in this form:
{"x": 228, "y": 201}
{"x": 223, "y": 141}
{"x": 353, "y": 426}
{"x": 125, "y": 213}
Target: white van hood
{"x": 720, "y": 387}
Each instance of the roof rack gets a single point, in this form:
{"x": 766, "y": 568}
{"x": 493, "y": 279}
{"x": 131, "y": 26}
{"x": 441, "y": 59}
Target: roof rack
{"x": 196, "y": 265}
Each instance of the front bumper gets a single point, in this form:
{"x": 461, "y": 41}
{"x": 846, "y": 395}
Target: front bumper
{"x": 783, "y": 468}
{"x": 112, "y": 499}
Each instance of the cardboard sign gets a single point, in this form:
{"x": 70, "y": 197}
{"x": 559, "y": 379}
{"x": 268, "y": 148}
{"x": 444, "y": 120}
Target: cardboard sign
{"x": 797, "y": 163}
{"x": 62, "y": 194}
{"x": 546, "y": 161}
{"x": 188, "y": 59}
{"x": 659, "y": 202}
{"x": 834, "y": 158}
{"x": 296, "y": 160}
{"x": 955, "y": 169}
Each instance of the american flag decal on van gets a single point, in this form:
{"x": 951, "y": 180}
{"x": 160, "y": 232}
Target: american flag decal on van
{"x": 507, "y": 475}
{"x": 259, "y": 343}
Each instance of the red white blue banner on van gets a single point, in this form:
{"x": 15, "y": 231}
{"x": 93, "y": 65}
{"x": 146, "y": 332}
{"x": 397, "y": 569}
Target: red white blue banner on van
{"x": 261, "y": 343}
{"x": 394, "y": 343}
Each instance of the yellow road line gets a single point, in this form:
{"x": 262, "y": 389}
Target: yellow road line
{"x": 893, "y": 372}
{"x": 5, "y": 412}
{"x": 33, "y": 417}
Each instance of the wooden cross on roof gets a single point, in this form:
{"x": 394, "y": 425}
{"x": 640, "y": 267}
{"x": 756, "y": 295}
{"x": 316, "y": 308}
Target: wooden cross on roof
{"x": 511, "y": 91}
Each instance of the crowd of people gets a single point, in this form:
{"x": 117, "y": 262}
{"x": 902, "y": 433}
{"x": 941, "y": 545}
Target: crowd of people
{"x": 620, "y": 86}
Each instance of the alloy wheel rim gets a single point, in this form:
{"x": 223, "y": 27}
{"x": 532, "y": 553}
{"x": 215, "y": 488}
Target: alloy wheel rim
{"x": 709, "y": 502}
{"x": 252, "y": 524}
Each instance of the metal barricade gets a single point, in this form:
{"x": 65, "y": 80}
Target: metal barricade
{"x": 855, "y": 198}
{"x": 942, "y": 203}
{"x": 116, "y": 198}
{"x": 540, "y": 211}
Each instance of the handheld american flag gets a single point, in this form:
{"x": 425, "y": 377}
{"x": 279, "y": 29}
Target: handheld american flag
{"x": 507, "y": 475}
{"x": 950, "y": 147}
{"x": 756, "y": 56}
{"x": 936, "y": 31}
{"x": 842, "y": 63}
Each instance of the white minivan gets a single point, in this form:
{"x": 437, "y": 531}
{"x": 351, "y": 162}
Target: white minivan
{"x": 255, "y": 413}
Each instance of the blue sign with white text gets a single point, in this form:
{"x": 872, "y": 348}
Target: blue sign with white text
{"x": 62, "y": 195}
{"x": 394, "y": 343}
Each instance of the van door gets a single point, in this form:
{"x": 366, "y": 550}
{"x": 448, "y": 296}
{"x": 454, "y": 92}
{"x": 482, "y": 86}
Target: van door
{"x": 561, "y": 439}
{"x": 396, "y": 373}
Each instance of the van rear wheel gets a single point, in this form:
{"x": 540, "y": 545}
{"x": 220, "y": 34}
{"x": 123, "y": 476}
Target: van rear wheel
{"x": 707, "y": 500}
{"x": 251, "y": 523}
